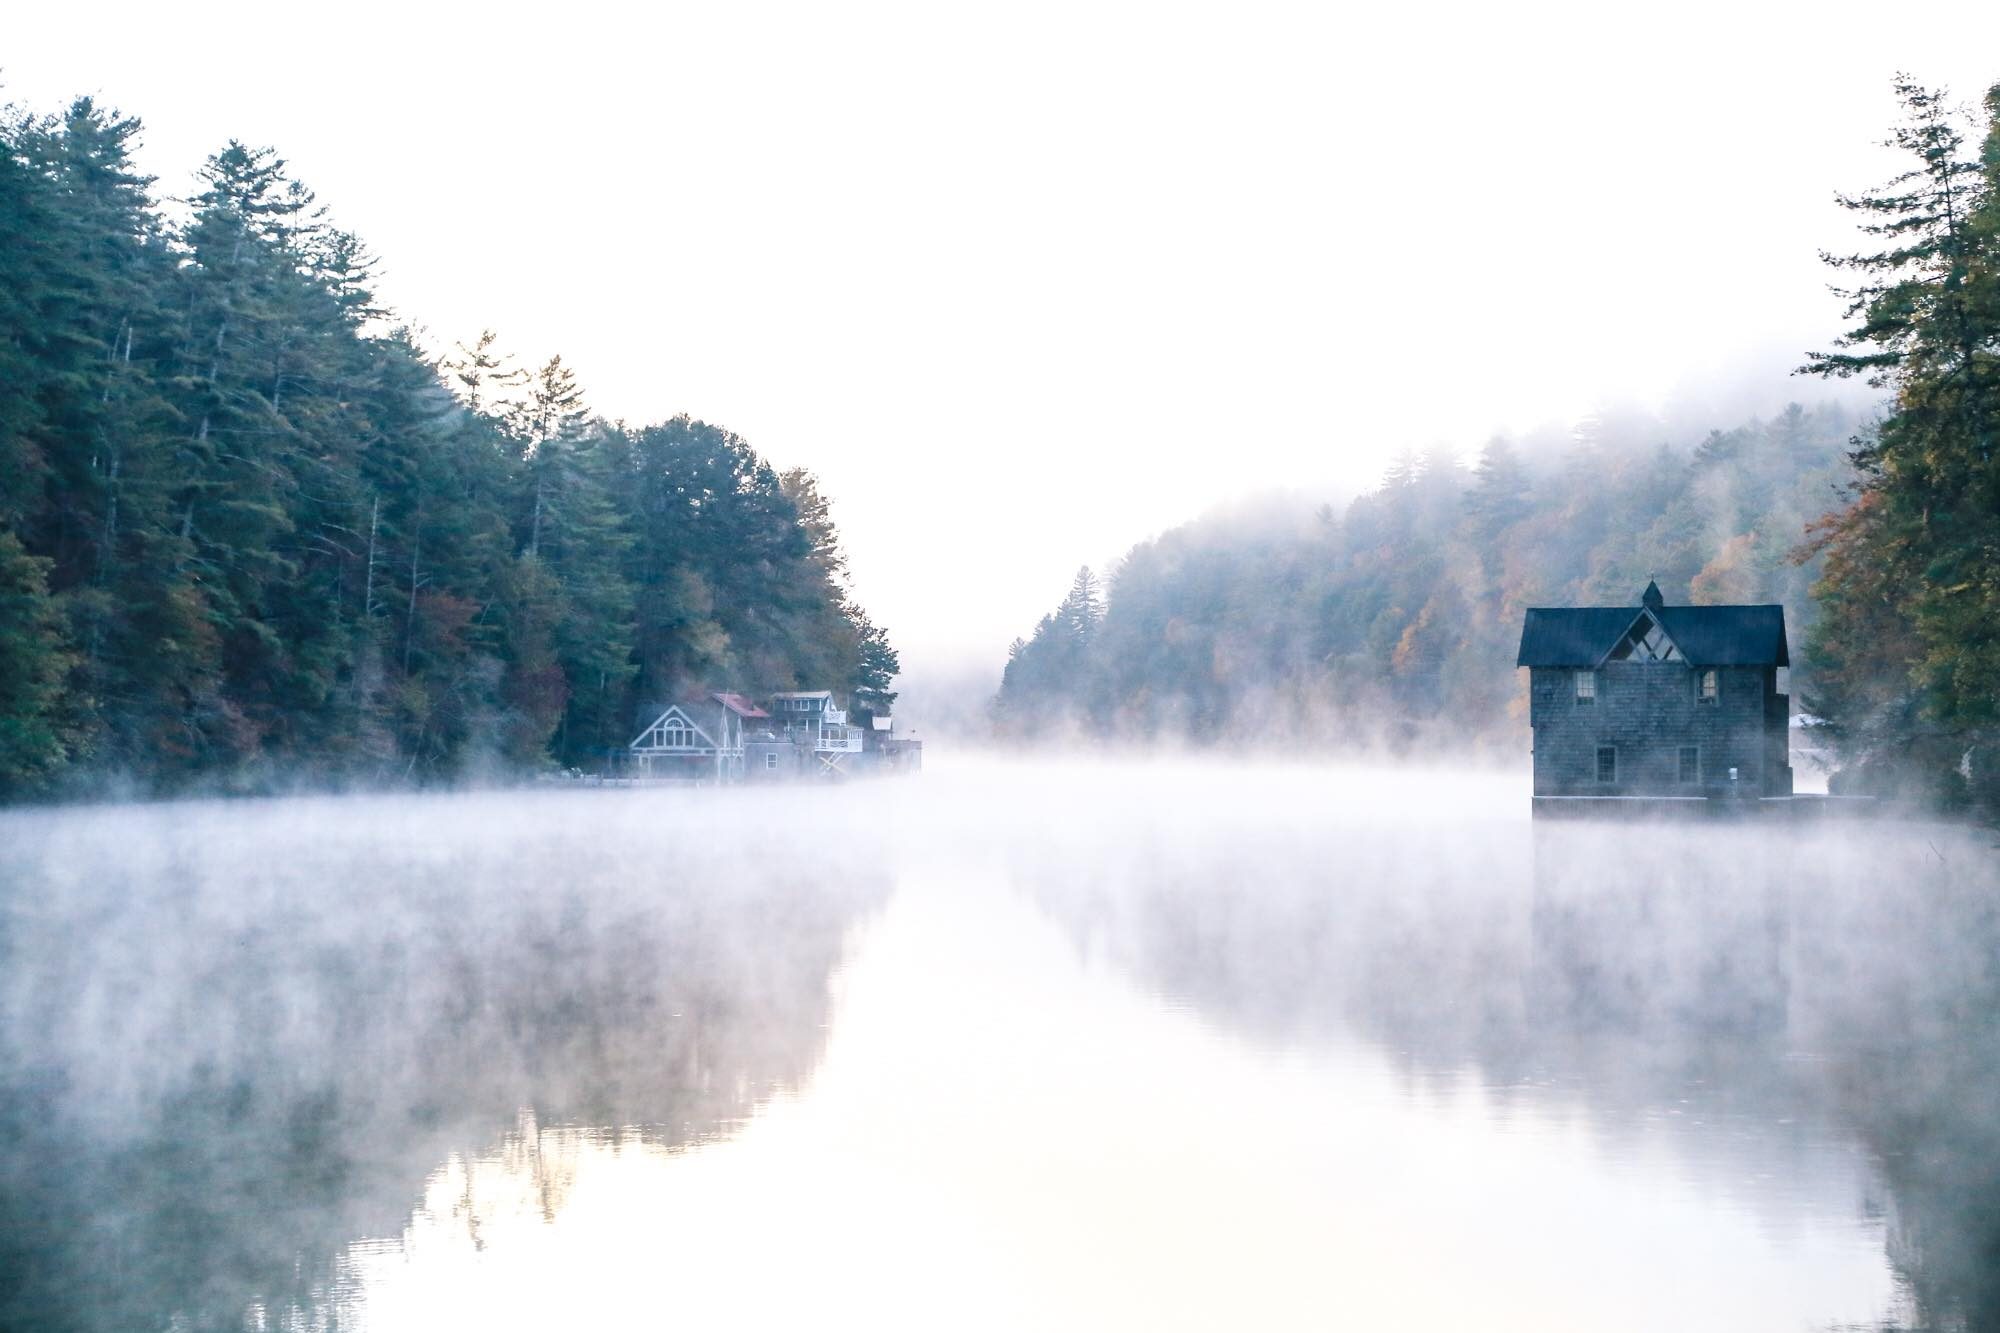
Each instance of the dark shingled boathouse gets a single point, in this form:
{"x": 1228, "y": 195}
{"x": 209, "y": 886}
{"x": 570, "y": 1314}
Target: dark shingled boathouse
{"x": 1655, "y": 703}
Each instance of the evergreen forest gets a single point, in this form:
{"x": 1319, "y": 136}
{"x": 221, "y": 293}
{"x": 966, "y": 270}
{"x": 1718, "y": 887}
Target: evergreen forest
{"x": 254, "y": 535}
{"x": 1394, "y": 620}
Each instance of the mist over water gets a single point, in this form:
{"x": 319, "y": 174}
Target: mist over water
{"x": 1050, "y": 1043}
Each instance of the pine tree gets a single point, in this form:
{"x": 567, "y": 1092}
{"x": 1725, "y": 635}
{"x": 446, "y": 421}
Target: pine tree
{"x": 875, "y": 672}
{"x": 1051, "y": 681}
{"x": 484, "y": 377}
{"x": 105, "y": 440}
{"x": 576, "y": 532}
{"x": 1925, "y": 530}
{"x": 1082, "y": 609}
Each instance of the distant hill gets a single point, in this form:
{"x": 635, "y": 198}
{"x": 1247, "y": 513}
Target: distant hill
{"x": 1394, "y": 620}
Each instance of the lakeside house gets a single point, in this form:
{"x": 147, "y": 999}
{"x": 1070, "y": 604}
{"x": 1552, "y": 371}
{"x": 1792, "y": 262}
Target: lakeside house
{"x": 795, "y": 735}
{"x": 1657, "y": 704}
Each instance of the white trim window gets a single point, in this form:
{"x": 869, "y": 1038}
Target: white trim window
{"x": 1586, "y": 687}
{"x": 770, "y": 758}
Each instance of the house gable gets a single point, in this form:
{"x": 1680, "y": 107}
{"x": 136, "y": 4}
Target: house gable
{"x": 674, "y": 732}
{"x": 1644, "y": 640}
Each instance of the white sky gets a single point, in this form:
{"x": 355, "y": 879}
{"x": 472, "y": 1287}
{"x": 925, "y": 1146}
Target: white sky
{"x": 1025, "y": 283}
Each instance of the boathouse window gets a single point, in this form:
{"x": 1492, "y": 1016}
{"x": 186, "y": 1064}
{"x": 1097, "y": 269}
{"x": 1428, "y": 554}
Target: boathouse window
{"x": 771, "y": 760}
{"x": 1646, "y": 641}
{"x": 1708, "y": 686}
{"x": 1607, "y": 763}
{"x": 1586, "y": 687}
{"x": 1690, "y": 763}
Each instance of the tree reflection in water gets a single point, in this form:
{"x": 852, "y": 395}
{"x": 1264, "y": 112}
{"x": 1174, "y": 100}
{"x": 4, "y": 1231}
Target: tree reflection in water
{"x": 1801, "y": 986}
{"x": 238, "y": 1037}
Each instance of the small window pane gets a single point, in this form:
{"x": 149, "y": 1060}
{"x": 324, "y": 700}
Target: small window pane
{"x": 1586, "y": 687}
{"x": 1607, "y": 764}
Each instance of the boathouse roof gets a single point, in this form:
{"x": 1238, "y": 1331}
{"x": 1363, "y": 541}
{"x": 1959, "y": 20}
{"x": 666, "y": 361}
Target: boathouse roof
{"x": 1585, "y": 636}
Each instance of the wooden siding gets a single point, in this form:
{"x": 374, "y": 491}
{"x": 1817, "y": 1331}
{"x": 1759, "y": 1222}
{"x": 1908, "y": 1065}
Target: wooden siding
{"x": 1647, "y": 711}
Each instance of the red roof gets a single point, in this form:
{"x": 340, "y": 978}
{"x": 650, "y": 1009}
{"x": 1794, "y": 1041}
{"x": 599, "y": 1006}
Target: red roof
{"x": 740, "y": 706}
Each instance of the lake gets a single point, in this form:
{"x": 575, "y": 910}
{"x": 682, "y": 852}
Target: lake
{"x": 1018, "y": 1044}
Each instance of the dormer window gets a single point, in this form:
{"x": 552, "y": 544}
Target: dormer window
{"x": 1586, "y": 687}
{"x": 1708, "y": 686}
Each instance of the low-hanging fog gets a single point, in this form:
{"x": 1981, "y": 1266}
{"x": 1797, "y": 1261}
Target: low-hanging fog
{"x": 1057, "y": 1043}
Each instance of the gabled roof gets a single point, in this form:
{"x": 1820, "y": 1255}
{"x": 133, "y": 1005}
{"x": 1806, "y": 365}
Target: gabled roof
{"x": 739, "y": 705}
{"x": 803, "y": 694}
{"x": 653, "y": 738}
{"x": 1580, "y": 636}
{"x": 1571, "y": 635}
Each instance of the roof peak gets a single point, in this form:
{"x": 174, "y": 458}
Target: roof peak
{"x": 1652, "y": 598}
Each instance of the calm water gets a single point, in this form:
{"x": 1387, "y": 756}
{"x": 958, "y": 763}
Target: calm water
{"x": 1012, "y": 1046}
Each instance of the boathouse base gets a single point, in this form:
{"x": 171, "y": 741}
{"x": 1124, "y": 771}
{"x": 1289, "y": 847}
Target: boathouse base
{"x": 1761, "y": 808}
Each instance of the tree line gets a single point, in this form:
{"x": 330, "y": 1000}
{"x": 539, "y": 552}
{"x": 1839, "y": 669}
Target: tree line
{"x": 1393, "y": 620}
{"x": 1396, "y": 618}
{"x": 252, "y": 533}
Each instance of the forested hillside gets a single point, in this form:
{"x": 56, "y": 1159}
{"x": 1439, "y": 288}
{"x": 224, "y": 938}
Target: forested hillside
{"x": 252, "y": 534}
{"x": 1394, "y": 620}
